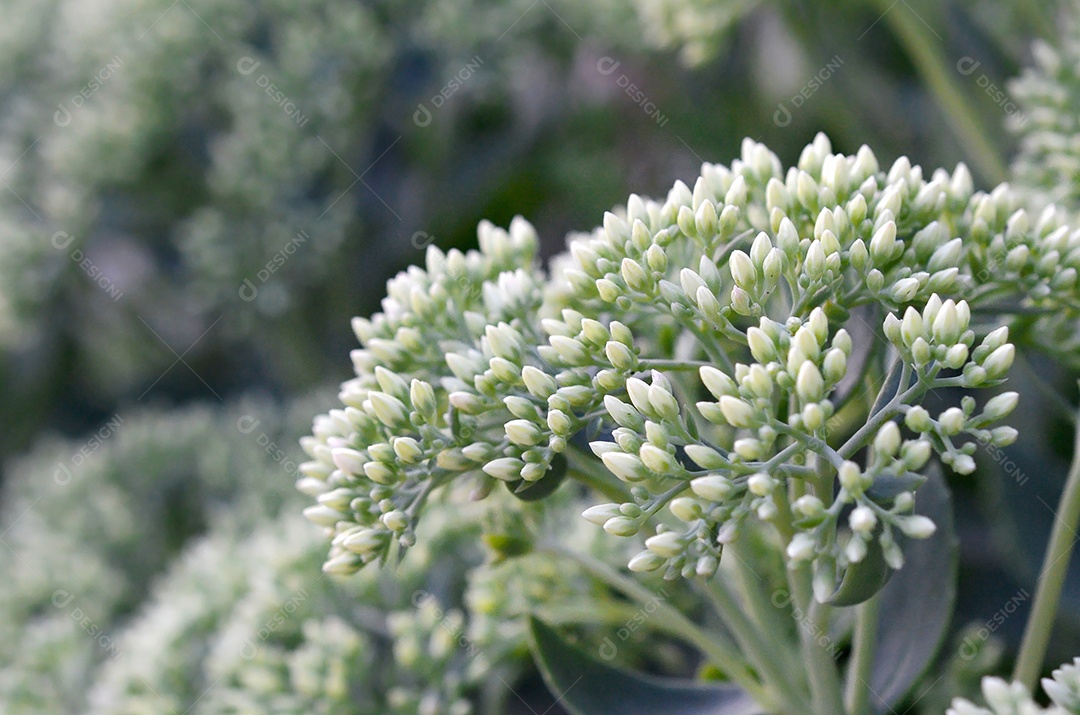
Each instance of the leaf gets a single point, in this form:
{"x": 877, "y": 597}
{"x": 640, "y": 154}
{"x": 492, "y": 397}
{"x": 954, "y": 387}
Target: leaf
{"x": 917, "y": 603}
{"x": 587, "y": 686}
{"x": 863, "y": 579}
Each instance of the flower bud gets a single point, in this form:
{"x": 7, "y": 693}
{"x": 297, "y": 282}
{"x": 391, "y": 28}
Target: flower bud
{"x": 905, "y": 290}
{"x": 952, "y": 421}
{"x": 422, "y": 397}
{"x": 814, "y": 265}
{"x": 706, "y": 457}
{"x": 761, "y": 484}
{"x": 600, "y": 513}
{"x": 736, "y": 412}
{"x": 917, "y": 526}
{"x": 388, "y": 409}
{"x": 862, "y": 520}
{"x": 663, "y": 402}
{"x": 883, "y": 244}
{"x": 657, "y": 460}
{"x": 947, "y": 327}
{"x": 668, "y": 544}
{"x": 761, "y": 345}
{"x": 742, "y": 270}
{"x": 717, "y": 382}
{"x": 621, "y": 526}
{"x": 623, "y": 414}
{"x": 802, "y": 547}
{"x": 523, "y": 433}
{"x": 626, "y": 467}
{"x": 999, "y": 361}
{"x": 835, "y": 365}
{"x": 713, "y": 487}
{"x": 887, "y": 440}
{"x": 850, "y": 477}
{"x": 644, "y": 561}
{"x": 634, "y": 275}
{"x": 408, "y": 450}
{"x": 809, "y": 384}
{"x": 685, "y": 509}
{"x": 508, "y": 469}
{"x": 918, "y": 419}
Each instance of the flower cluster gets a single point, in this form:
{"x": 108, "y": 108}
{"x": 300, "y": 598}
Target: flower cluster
{"x": 717, "y": 351}
{"x": 1007, "y": 698}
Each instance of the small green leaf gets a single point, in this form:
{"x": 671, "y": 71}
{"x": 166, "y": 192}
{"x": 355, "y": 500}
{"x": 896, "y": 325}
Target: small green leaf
{"x": 917, "y": 603}
{"x": 863, "y": 579}
{"x": 587, "y": 686}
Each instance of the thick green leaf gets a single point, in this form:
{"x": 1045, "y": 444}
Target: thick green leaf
{"x": 863, "y": 579}
{"x": 917, "y": 603}
{"x": 586, "y": 686}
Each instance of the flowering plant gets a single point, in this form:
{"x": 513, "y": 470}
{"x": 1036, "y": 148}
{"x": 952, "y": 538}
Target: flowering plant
{"x": 750, "y": 374}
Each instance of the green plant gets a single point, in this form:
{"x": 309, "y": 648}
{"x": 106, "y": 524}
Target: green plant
{"x": 743, "y": 360}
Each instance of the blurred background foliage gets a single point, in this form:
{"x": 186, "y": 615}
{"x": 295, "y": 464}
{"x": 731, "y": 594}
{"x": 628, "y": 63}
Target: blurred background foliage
{"x": 198, "y": 195}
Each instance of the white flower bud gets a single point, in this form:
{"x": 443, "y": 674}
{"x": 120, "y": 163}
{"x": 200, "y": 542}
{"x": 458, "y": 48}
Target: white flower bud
{"x": 657, "y": 460}
{"x": 761, "y": 484}
{"x": 809, "y": 384}
{"x": 921, "y": 352}
{"x": 947, "y": 327}
{"x": 850, "y": 477}
{"x": 999, "y": 361}
{"x": 365, "y": 542}
{"x": 762, "y": 346}
{"x": 523, "y": 432}
{"x": 736, "y": 412}
{"x": 626, "y": 467}
{"x": 952, "y": 421}
{"x": 918, "y": 419}
{"x": 996, "y": 339}
{"x": 806, "y": 342}
{"x": 855, "y": 551}
{"x": 814, "y": 265}
{"x": 802, "y": 547}
{"x": 1001, "y": 405}
{"x": 883, "y": 243}
{"x": 560, "y": 423}
{"x": 634, "y": 275}
{"x": 538, "y": 383}
{"x": 685, "y": 509}
{"x": 809, "y": 506}
{"x": 600, "y": 513}
{"x": 663, "y": 402}
{"x": 644, "y": 561}
{"x": 706, "y": 457}
{"x": 963, "y": 464}
{"x": 668, "y": 544}
{"x": 323, "y": 515}
{"x": 862, "y": 520}
{"x": 892, "y": 327}
{"x": 887, "y": 440}
{"x": 348, "y": 460}
{"x": 905, "y": 289}
{"x": 621, "y": 526}
{"x": 609, "y": 290}
{"x": 916, "y": 454}
{"x": 912, "y": 326}
{"x": 758, "y": 381}
{"x": 388, "y": 409}
{"x": 834, "y": 365}
{"x": 507, "y": 469}
{"x": 569, "y": 349}
{"x": 408, "y": 450}
{"x": 748, "y": 448}
{"x": 713, "y": 487}
{"x": 623, "y": 414}
{"x": 917, "y": 527}
{"x": 773, "y": 266}
{"x": 813, "y": 417}
{"x": 742, "y": 270}
{"x": 717, "y": 382}
{"x": 706, "y": 219}
{"x": 956, "y": 356}
{"x": 395, "y": 520}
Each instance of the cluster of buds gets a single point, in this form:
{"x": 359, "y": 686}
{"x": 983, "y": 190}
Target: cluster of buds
{"x": 428, "y": 642}
{"x": 750, "y": 279}
{"x": 1004, "y": 698}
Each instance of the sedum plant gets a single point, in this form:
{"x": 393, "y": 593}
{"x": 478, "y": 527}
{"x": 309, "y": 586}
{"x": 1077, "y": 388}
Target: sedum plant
{"x": 757, "y": 377}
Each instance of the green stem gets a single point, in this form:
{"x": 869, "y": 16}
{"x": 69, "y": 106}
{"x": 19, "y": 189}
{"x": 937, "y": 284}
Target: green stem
{"x": 824, "y": 679}
{"x": 758, "y": 644}
{"x": 719, "y": 649}
{"x": 1055, "y": 566}
{"x": 862, "y": 657}
{"x": 910, "y": 31}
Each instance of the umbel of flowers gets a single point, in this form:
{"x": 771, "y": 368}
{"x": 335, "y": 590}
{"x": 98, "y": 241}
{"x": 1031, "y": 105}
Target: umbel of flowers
{"x": 755, "y": 347}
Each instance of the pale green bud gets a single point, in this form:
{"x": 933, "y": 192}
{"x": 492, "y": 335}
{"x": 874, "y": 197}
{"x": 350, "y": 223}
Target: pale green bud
{"x": 813, "y": 417}
{"x": 947, "y": 326}
{"x": 538, "y": 383}
{"x": 623, "y": 414}
{"x": 663, "y": 402}
{"x": 809, "y": 384}
{"x": 749, "y": 448}
{"x": 600, "y": 513}
{"x": 1001, "y": 405}
{"x": 850, "y": 477}
{"x": 560, "y": 423}
{"x": 736, "y": 194}
{"x": 887, "y": 440}
{"x": 787, "y": 238}
{"x": 736, "y": 412}
{"x": 626, "y": 467}
{"x": 523, "y": 433}
{"x": 761, "y": 484}
{"x": 396, "y": 520}
{"x": 742, "y": 270}
{"x": 917, "y": 526}
{"x": 946, "y": 256}
{"x": 466, "y": 402}
{"x": 717, "y": 382}
{"x": 323, "y": 515}
{"x": 508, "y": 469}
{"x": 657, "y": 460}
{"x": 740, "y": 301}
{"x": 761, "y": 346}
{"x": 834, "y": 365}
{"x": 952, "y": 421}
{"x": 422, "y": 397}
{"x": 668, "y": 544}
{"x": 685, "y": 509}
{"x": 883, "y": 244}
{"x": 760, "y": 248}
{"x": 656, "y": 257}
{"x": 905, "y": 289}
{"x": 912, "y": 326}
{"x": 645, "y": 561}
{"x": 348, "y": 460}
{"x": 569, "y": 349}
{"x": 956, "y": 356}
{"x": 609, "y": 290}
{"x": 963, "y": 464}
{"x": 634, "y": 275}
{"x": 1003, "y": 436}
{"x": 638, "y": 390}
{"x": 918, "y": 419}
{"x": 706, "y": 219}
{"x": 365, "y": 542}
{"x": 809, "y": 506}
{"x": 802, "y": 547}
{"x": 773, "y": 266}
{"x": 620, "y": 356}
{"x": 862, "y": 520}
{"x": 921, "y": 352}
{"x": 814, "y": 265}
{"x": 706, "y": 457}
{"x": 621, "y": 526}
{"x": 999, "y": 362}
{"x": 875, "y": 280}
{"x": 687, "y": 221}
{"x": 388, "y": 409}
{"x": 505, "y": 371}
{"x": 758, "y": 381}
{"x": 713, "y": 487}
{"x": 408, "y": 450}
